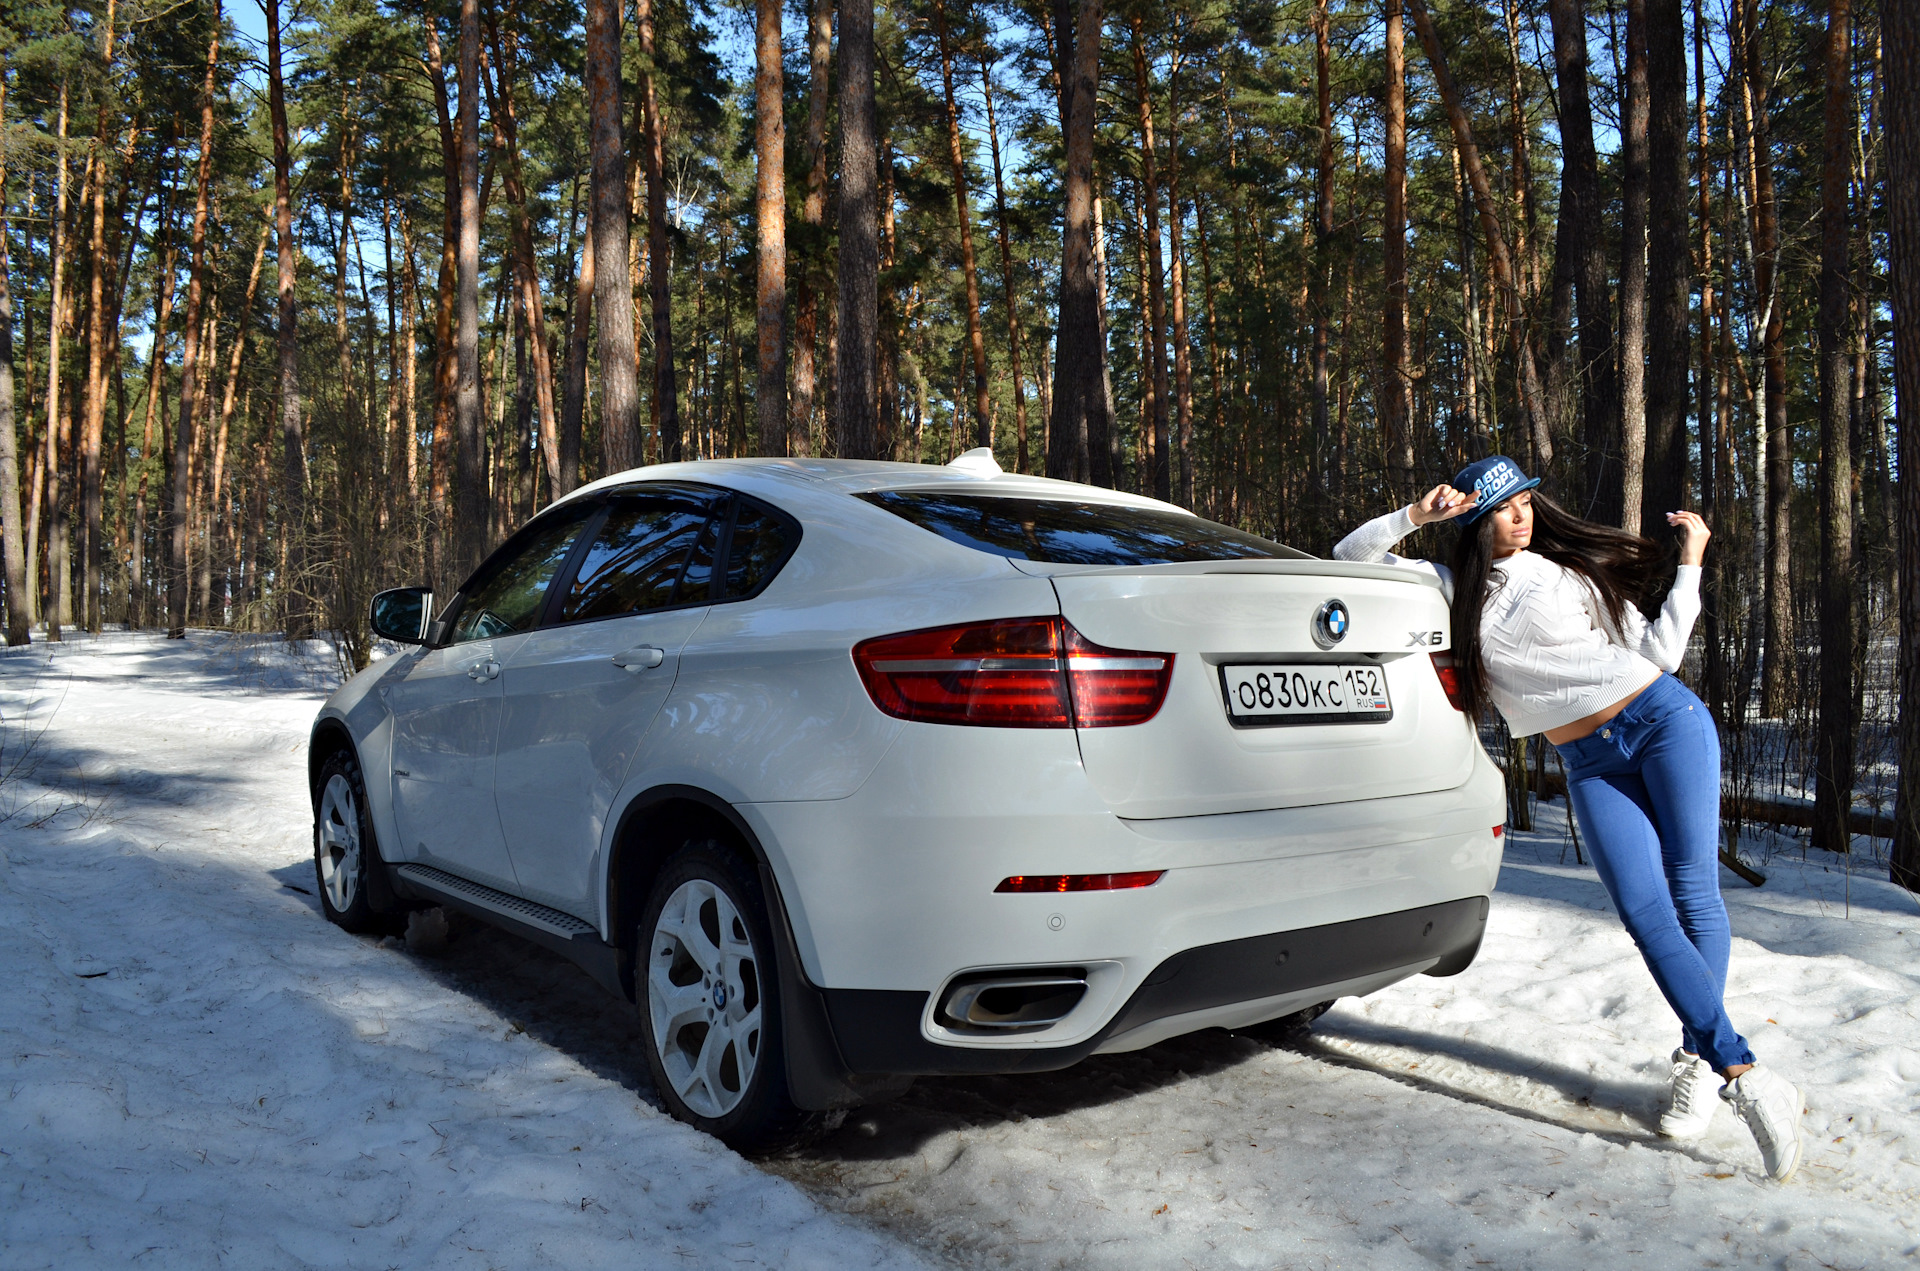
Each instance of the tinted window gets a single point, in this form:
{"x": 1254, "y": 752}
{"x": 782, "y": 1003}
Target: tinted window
{"x": 507, "y": 592}
{"x": 760, "y": 544}
{"x": 636, "y": 560}
{"x": 1066, "y": 533}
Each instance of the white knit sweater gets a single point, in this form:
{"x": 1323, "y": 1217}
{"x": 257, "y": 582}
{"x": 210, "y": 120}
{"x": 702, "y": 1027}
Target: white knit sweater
{"x": 1551, "y": 653}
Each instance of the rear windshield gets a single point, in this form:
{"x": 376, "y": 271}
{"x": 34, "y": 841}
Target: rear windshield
{"x": 1061, "y": 532}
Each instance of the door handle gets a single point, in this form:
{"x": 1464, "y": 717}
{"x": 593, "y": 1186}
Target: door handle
{"x": 639, "y": 658}
{"x": 485, "y": 670}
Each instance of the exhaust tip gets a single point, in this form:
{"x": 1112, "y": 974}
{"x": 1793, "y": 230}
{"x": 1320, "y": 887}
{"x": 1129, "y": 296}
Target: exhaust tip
{"x": 1000, "y": 1003}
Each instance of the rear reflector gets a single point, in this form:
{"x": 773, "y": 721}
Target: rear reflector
{"x": 1498, "y": 830}
{"x": 1080, "y": 882}
{"x": 1012, "y": 673}
{"x": 1449, "y": 679}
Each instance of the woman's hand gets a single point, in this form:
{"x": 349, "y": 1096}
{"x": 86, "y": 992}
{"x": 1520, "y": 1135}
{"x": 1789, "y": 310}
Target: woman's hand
{"x": 1693, "y": 536}
{"x": 1442, "y": 503}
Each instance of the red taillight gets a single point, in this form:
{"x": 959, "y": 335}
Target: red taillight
{"x": 1080, "y": 882}
{"x": 1112, "y": 686}
{"x": 1012, "y": 673}
{"x": 1498, "y": 830}
{"x": 1449, "y": 679}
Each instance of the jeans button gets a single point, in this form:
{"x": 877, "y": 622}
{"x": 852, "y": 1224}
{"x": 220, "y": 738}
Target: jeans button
{"x": 1607, "y": 733}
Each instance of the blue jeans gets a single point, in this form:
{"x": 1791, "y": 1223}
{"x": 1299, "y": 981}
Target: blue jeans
{"x": 1646, "y": 790}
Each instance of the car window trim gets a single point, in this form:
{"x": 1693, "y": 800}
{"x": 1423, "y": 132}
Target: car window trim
{"x": 719, "y": 498}
{"x": 786, "y": 520}
{"x": 726, "y": 504}
{"x": 481, "y": 575}
{"x": 563, "y": 580}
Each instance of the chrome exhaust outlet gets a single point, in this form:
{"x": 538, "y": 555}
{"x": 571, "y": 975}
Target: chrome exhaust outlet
{"x": 998, "y": 1003}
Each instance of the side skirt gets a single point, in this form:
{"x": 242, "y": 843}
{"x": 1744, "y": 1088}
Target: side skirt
{"x": 551, "y": 929}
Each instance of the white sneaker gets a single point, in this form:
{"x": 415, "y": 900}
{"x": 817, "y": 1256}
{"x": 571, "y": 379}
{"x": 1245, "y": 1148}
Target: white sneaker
{"x": 1690, "y": 1106}
{"x": 1770, "y": 1105}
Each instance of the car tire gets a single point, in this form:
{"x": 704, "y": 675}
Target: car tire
{"x": 345, "y": 851}
{"x": 706, "y": 983}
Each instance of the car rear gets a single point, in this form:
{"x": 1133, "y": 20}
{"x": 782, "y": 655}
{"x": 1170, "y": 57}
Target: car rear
{"x": 1208, "y": 781}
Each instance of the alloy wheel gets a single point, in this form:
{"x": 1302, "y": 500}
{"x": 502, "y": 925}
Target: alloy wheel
{"x": 703, "y": 996}
{"x": 339, "y": 845}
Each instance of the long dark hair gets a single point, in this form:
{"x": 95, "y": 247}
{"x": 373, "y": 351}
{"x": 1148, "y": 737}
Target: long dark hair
{"x": 1622, "y": 569}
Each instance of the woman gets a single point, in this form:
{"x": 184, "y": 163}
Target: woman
{"x": 1546, "y": 628}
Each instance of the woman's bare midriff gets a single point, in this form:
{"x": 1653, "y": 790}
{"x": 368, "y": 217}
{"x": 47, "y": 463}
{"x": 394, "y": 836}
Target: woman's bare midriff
{"x": 1582, "y": 727}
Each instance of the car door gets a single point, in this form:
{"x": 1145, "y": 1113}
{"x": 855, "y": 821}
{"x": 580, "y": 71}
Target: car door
{"x": 581, "y": 691}
{"x": 446, "y": 707}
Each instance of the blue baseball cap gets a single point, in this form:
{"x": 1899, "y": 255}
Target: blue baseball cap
{"x": 1495, "y": 479}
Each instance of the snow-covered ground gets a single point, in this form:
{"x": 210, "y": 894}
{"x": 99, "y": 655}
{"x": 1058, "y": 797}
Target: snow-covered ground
{"x": 199, "y": 1071}
{"x": 197, "y": 1065}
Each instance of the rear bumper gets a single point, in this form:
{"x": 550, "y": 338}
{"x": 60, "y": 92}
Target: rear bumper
{"x": 1231, "y": 984}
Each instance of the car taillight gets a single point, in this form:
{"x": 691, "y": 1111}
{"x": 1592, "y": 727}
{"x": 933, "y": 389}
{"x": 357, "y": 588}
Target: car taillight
{"x": 1449, "y": 679}
{"x": 1012, "y": 673}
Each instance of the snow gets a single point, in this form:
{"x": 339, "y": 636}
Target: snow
{"x": 198, "y": 1070}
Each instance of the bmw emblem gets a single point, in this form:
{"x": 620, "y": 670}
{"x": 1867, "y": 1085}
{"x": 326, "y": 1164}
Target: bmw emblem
{"x": 1330, "y": 623}
{"x": 720, "y": 996}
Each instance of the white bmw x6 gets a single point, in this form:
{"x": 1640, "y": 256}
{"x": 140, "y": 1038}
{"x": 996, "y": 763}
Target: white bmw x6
{"x": 848, "y": 772}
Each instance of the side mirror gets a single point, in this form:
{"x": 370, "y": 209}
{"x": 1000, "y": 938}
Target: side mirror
{"x": 402, "y": 614}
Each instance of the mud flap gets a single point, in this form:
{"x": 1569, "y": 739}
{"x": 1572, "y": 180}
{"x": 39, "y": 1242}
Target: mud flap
{"x": 818, "y": 1079}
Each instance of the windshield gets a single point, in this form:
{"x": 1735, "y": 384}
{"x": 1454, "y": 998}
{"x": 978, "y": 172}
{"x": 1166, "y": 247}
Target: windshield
{"x": 1064, "y": 532}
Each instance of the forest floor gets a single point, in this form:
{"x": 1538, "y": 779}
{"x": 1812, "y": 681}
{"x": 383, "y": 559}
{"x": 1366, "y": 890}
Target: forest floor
{"x": 199, "y": 1071}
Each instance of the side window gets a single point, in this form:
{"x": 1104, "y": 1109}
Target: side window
{"x": 510, "y": 588}
{"x": 761, "y": 542}
{"x": 638, "y": 557}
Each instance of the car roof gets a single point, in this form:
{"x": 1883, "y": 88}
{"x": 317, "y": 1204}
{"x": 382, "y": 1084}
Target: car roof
{"x": 973, "y": 473}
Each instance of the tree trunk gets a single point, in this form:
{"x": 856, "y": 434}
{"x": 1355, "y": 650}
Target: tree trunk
{"x": 963, "y": 212}
{"x": 342, "y": 335}
{"x": 1177, "y": 280}
{"x": 294, "y": 482}
{"x": 573, "y": 406}
{"x": 666, "y": 395}
{"x": 190, "y": 370}
{"x": 770, "y": 214}
{"x": 1079, "y": 414}
{"x": 1633, "y": 270}
{"x": 440, "y": 565}
{"x": 857, "y": 427}
{"x": 1580, "y": 212}
{"x": 1776, "y": 667}
{"x": 610, "y": 240}
{"x": 1669, "y": 270}
{"x": 56, "y": 306}
{"x": 506, "y": 137}
{"x": 1156, "y": 333}
{"x": 1900, "y": 29}
{"x": 1007, "y": 274}
{"x": 1712, "y": 474}
{"x": 216, "y": 483}
{"x": 806, "y": 318}
{"x": 1833, "y": 746}
{"x": 1396, "y": 404}
{"x": 93, "y": 524}
{"x": 470, "y": 488}
{"x": 10, "y": 541}
{"x": 1323, "y": 234}
{"x": 1503, "y": 271}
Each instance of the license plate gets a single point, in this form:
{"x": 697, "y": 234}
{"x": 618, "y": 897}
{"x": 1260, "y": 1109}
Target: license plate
{"x": 1282, "y": 694}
